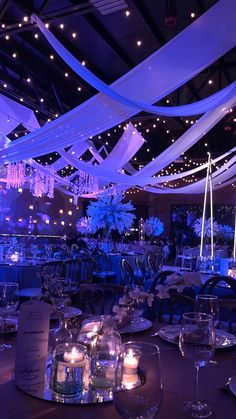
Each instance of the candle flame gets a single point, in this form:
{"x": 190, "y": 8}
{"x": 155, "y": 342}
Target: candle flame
{"x": 130, "y": 353}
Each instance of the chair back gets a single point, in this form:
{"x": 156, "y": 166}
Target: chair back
{"x": 72, "y": 270}
{"x": 187, "y": 251}
{"x": 99, "y": 298}
{"x": 151, "y": 267}
{"x": 127, "y": 273}
{"x": 225, "y": 288}
{"x": 141, "y": 273}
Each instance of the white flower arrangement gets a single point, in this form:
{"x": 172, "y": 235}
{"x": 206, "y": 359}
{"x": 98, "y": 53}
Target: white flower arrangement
{"x": 84, "y": 226}
{"x": 110, "y": 213}
{"x": 225, "y": 232}
{"x": 177, "y": 282}
{"x": 197, "y": 227}
{"x": 154, "y": 227}
{"x": 129, "y": 300}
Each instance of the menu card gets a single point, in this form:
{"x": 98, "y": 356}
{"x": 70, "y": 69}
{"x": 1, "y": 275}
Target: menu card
{"x": 32, "y": 346}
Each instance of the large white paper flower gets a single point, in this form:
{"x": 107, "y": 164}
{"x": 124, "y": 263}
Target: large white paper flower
{"x": 197, "y": 227}
{"x": 154, "y": 226}
{"x": 110, "y": 213}
{"x": 225, "y": 232}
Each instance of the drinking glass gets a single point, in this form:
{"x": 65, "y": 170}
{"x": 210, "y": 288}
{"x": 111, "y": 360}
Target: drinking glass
{"x": 197, "y": 343}
{"x": 59, "y": 291}
{"x": 208, "y": 304}
{"x": 9, "y": 300}
{"x": 143, "y": 400}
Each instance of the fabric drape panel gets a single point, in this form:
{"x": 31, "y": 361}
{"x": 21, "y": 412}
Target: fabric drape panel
{"x": 13, "y": 114}
{"x": 192, "y": 109}
{"x": 163, "y": 72}
{"x": 144, "y": 176}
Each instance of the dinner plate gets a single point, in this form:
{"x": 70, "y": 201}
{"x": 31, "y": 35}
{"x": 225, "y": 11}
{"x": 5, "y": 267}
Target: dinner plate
{"x": 138, "y": 324}
{"x": 224, "y": 339}
{"x": 70, "y": 312}
{"x": 232, "y": 384}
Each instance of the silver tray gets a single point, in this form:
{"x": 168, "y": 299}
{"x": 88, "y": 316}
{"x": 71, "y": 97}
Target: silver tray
{"x": 44, "y": 392}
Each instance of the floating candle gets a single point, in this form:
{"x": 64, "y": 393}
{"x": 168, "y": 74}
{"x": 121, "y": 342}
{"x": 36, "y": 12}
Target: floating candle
{"x": 73, "y": 356}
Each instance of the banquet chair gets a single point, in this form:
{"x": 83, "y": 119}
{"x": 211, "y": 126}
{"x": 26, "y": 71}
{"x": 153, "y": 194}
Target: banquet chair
{"x": 185, "y": 258}
{"x": 72, "y": 271}
{"x": 151, "y": 266}
{"x": 102, "y": 269}
{"x": 127, "y": 273}
{"x": 99, "y": 298}
{"x": 48, "y": 268}
{"x": 225, "y": 288}
{"x": 141, "y": 273}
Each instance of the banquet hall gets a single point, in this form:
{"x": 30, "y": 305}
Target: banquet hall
{"x": 117, "y": 209}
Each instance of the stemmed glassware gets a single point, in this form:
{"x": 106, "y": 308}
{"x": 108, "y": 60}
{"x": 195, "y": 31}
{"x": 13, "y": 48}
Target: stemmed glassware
{"x": 9, "y": 300}
{"x": 197, "y": 343}
{"x": 208, "y": 304}
{"x": 59, "y": 291}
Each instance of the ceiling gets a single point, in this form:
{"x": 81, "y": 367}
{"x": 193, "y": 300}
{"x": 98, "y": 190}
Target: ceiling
{"x": 111, "y": 37}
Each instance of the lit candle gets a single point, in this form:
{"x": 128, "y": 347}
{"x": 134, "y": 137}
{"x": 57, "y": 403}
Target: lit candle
{"x": 74, "y": 356}
{"x": 131, "y": 361}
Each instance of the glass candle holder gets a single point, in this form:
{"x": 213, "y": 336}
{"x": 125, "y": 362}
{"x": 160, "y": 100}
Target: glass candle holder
{"x": 131, "y": 357}
{"x": 70, "y": 370}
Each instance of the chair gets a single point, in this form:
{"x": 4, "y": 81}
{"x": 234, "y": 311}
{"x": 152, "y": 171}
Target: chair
{"x": 151, "y": 267}
{"x": 72, "y": 271}
{"x": 225, "y": 288}
{"x": 102, "y": 270}
{"x": 141, "y": 273}
{"x": 99, "y": 298}
{"x": 185, "y": 258}
{"x": 127, "y": 273}
{"x": 48, "y": 268}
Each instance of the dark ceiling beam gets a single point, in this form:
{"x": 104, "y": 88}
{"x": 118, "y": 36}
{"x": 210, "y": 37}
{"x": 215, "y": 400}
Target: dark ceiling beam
{"x": 226, "y": 74}
{"x": 57, "y": 14}
{"x": 80, "y": 56}
{"x": 29, "y": 90}
{"x": 43, "y": 7}
{"x": 58, "y": 100}
{"x": 3, "y": 7}
{"x": 149, "y": 22}
{"x": 151, "y": 25}
{"x": 106, "y": 36}
{"x": 201, "y": 6}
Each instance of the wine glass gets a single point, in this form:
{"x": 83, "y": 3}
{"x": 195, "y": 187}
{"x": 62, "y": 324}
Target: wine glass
{"x": 197, "y": 343}
{"x": 59, "y": 291}
{"x": 9, "y": 300}
{"x": 209, "y": 304}
{"x": 138, "y": 392}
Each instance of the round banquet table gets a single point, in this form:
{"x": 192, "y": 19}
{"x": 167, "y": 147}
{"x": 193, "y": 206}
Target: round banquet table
{"x": 25, "y": 274}
{"x": 178, "y": 387}
{"x": 115, "y": 259}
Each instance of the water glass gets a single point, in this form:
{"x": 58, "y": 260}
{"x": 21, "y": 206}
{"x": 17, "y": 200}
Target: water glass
{"x": 142, "y": 368}
{"x": 197, "y": 343}
{"x": 208, "y": 304}
{"x": 9, "y": 301}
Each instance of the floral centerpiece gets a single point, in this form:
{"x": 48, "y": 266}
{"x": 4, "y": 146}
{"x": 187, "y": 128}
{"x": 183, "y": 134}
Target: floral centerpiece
{"x": 225, "y": 233}
{"x": 110, "y": 213}
{"x": 153, "y": 227}
{"x": 178, "y": 282}
{"x": 127, "y": 304}
{"x": 197, "y": 227}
